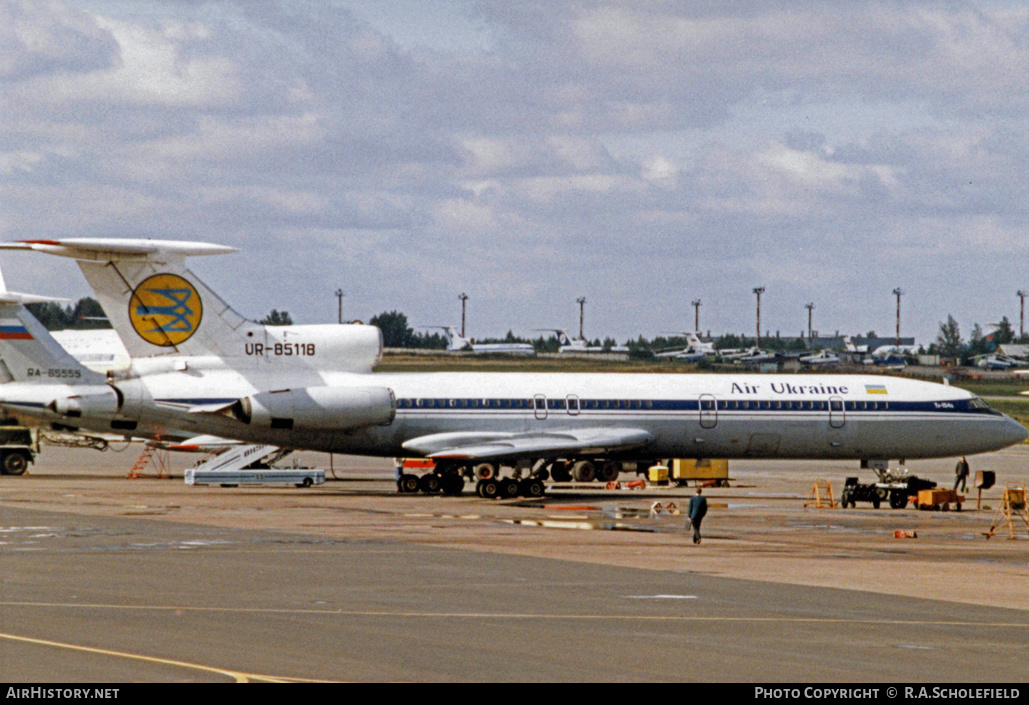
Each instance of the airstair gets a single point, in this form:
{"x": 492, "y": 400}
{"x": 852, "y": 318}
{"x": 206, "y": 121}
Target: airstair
{"x": 240, "y": 457}
{"x": 251, "y": 465}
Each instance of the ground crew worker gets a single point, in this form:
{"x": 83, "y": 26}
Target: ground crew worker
{"x": 696, "y": 511}
{"x": 960, "y": 474}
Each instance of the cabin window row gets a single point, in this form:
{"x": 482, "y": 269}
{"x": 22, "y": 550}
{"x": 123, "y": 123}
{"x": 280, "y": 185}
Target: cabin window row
{"x": 574, "y": 404}
{"x": 536, "y": 403}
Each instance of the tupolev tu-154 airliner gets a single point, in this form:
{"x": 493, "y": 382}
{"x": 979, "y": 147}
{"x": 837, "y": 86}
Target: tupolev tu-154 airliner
{"x": 200, "y": 367}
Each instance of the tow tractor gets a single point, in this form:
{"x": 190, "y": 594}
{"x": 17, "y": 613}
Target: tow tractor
{"x": 900, "y": 486}
{"x": 894, "y": 486}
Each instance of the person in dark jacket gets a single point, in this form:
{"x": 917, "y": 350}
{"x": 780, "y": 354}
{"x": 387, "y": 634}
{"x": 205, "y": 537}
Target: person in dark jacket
{"x": 960, "y": 474}
{"x": 696, "y": 511}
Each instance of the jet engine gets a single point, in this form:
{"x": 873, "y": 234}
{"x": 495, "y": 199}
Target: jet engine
{"x": 318, "y": 408}
{"x": 100, "y": 403}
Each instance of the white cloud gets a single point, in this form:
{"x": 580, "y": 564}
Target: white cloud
{"x": 660, "y": 171}
{"x": 810, "y": 170}
{"x": 821, "y": 149}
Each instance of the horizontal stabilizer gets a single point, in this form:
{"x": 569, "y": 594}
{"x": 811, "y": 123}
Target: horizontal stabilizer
{"x": 110, "y": 249}
{"x": 13, "y": 297}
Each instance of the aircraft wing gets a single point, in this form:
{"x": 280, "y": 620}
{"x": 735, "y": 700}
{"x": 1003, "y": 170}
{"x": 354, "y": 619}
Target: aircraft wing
{"x": 496, "y": 446}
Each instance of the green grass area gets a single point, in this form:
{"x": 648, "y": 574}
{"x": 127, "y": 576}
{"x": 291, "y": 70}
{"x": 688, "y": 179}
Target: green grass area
{"x": 509, "y": 363}
{"x": 993, "y": 388}
{"x": 1016, "y": 407}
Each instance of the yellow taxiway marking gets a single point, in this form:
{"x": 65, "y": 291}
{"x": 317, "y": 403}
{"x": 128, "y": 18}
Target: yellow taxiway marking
{"x": 237, "y": 676}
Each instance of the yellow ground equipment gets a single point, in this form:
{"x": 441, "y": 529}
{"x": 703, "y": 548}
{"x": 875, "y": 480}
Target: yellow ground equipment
{"x": 1012, "y": 507}
{"x": 939, "y": 499}
{"x": 684, "y": 470}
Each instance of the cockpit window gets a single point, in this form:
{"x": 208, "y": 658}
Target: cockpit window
{"x": 977, "y": 404}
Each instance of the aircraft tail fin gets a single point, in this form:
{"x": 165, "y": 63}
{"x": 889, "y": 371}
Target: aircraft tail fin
{"x": 153, "y": 301}
{"x": 28, "y": 353}
{"x": 456, "y": 342}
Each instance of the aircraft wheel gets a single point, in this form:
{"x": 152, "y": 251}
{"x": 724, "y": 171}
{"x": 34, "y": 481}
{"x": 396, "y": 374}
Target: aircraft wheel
{"x": 15, "y": 463}
{"x": 489, "y": 489}
{"x": 486, "y": 471}
{"x": 508, "y": 487}
{"x": 407, "y": 483}
{"x": 452, "y": 484}
{"x": 898, "y": 500}
{"x": 609, "y": 471}
{"x": 559, "y": 471}
{"x": 583, "y": 471}
{"x": 429, "y": 484}
{"x": 532, "y": 488}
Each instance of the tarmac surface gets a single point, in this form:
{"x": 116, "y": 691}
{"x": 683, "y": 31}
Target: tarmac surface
{"x": 109, "y": 579}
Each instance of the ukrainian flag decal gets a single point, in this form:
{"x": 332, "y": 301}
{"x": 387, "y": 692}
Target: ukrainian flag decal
{"x": 875, "y": 389}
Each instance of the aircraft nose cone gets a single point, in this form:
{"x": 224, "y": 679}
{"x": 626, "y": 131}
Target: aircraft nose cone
{"x": 1014, "y": 432}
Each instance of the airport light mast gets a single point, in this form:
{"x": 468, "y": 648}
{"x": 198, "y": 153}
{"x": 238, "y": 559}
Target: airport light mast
{"x": 810, "y": 307}
{"x": 464, "y": 299}
{"x": 758, "y": 290}
{"x": 340, "y": 295}
{"x": 897, "y": 292}
{"x": 1021, "y": 318}
{"x": 696, "y": 316}
{"x": 582, "y": 308}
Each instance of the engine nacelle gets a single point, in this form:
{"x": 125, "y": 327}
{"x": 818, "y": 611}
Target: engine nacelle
{"x": 320, "y": 408}
{"x": 92, "y": 404}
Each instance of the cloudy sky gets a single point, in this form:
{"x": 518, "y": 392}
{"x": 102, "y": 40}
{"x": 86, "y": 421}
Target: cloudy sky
{"x": 639, "y": 154}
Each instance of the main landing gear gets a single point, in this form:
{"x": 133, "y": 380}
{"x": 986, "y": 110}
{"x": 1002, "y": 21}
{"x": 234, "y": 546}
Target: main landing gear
{"x": 490, "y": 483}
{"x": 524, "y": 479}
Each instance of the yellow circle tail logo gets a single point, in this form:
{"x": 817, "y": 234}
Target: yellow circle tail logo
{"x": 165, "y": 310}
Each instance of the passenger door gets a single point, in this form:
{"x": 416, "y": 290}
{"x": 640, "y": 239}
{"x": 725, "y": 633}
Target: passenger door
{"x": 708, "y": 411}
{"x": 539, "y": 405}
{"x": 837, "y": 413}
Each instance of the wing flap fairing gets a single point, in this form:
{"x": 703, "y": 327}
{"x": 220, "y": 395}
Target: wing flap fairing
{"x": 496, "y": 446}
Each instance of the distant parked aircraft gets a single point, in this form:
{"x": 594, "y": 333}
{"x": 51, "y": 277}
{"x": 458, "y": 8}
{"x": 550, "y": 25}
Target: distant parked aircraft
{"x": 458, "y": 343}
{"x": 579, "y": 345}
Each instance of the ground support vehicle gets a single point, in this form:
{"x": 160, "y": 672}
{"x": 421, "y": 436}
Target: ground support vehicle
{"x": 300, "y": 477}
{"x": 896, "y": 487}
{"x": 854, "y": 492}
{"x": 706, "y": 472}
{"x": 251, "y": 465}
{"x": 900, "y": 487}
{"x": 16, "y": 450}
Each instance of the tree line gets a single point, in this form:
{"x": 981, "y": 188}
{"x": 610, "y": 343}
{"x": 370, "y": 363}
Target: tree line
{"x": 397, "y": 333}
{"x": 87, "y": 314}
{"x": 950, "y": 344}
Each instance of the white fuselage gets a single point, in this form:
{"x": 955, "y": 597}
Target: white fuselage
{"x": 688, "y": 415}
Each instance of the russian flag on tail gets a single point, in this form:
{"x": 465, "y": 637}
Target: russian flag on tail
{"x": 13, "y": 329}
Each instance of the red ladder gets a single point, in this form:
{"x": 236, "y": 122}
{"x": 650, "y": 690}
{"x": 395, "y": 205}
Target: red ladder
{"x": 142, "y": 462}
